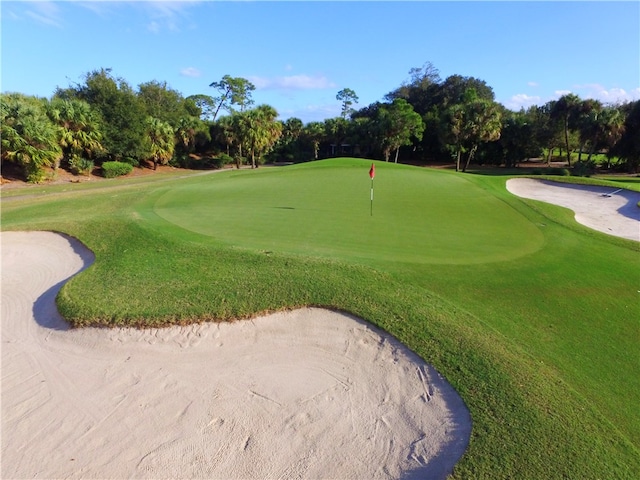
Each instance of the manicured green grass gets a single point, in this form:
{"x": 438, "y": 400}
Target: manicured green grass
{"x": 531, "y": 317}
{"x": 324, "y": 209}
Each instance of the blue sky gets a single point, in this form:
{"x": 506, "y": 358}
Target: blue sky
{"x": 300, "y": 54}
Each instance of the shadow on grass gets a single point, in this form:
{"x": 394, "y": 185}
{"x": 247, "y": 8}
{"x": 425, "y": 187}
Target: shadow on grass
{"x": 45, "y": 310}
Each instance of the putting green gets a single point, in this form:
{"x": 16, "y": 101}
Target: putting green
{"x": 324, "y": 209}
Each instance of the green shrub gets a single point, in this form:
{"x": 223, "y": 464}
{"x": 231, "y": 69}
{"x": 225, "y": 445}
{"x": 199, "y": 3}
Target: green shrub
{"x": 80, "y": 166}
{"x": 584, "y": 168}
{"x": 116, "y": 169}
{"x": 182, "y": 160}
{"x": 219, "y": 161}
{"x": 226, "y": 159}
{"x": 35, "y": 174}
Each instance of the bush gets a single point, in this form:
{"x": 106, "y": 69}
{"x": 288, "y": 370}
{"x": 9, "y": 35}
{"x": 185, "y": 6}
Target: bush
{"x": 226, "y": 159}
{"x": 182, "y": 160}
{"x": 584, "y": 168}
{"x": 34, "y": 173}
{"x": 219, "y": 161}
{"x": 116, "y": 169}
{"x": 80, "y": 166}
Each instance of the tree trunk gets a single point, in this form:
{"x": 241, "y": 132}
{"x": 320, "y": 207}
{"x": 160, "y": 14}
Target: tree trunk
{"x": 396, "y": 159}
{"x": 469, "y": 157}
{"x": 458, "y": 161}
{"x": 581, "y": 150}
{"x": 566, "y": 141}
{"x": 592, "y": 147}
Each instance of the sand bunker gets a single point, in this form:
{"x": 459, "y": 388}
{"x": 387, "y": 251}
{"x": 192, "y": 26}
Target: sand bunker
{"x": 601, "y": 208}
{"x": 303, "y": 394}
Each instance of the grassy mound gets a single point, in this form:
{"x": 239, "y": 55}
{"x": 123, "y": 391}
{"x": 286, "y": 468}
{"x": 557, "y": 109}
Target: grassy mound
{"x": 530, "y": 316}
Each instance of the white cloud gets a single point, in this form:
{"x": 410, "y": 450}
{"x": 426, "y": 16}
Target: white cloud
{"x": 533, "y": 84}
{"x": 612, "y": 95}
{"x": 154, "y": 27}
{"x": 166, "y": 15}
{"x": 169, "y": 8}
{"x": 292, "y": 82}
{"x": 47, "y": 13}
{"x": 190, "y": 72}
{"x": 522, "y": 100}
{"x": 99, "y": 8}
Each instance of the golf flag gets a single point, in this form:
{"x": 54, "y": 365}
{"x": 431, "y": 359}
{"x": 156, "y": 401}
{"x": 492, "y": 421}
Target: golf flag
{"x": 372, "y": 173}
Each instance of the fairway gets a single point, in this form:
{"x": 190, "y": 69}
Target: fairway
{"x": 324, "y": 209}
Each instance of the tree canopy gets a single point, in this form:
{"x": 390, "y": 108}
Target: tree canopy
{"x": 426, "y": 118}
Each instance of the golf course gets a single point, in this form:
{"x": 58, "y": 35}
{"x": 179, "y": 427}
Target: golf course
{"x": 529, "y": 315}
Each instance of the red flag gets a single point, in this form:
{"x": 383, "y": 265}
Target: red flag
{"x": 372, "y": 171}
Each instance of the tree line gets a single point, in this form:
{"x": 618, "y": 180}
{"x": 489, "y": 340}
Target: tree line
{"x": 104, "y": 119}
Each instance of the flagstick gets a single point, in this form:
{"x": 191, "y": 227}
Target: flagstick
{"x": 372, "y": 197}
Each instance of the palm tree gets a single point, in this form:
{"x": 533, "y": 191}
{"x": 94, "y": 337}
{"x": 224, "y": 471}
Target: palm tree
{"x": 189, "y": 132}
{"x": 566, "y": 109}
{"x": 29, "y": 138}
{"x": 610, "y": 130}
{"x": 80, "y": 134}
{"x": 587, "y": 123}
{"x": 161, "y": 140}
{"x": 467, "y": 124}
{"x": 627, "y": 148}
{"x": 314, "y": 132}
{"x": 260, "y": 131}
{"x": 224, "y": 132}
{"x": 336, "y": 132}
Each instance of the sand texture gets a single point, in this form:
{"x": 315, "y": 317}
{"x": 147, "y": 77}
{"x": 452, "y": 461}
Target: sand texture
{"x": 304, "y": 394}
{"x": 596, "y": 207}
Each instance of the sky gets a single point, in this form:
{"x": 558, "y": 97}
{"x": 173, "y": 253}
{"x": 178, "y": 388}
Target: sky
{"x": 300, "y": 54}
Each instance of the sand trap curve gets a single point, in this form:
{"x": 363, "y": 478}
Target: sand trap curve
{"x": 303, "y": 394}
{"x": 596, "y": 207}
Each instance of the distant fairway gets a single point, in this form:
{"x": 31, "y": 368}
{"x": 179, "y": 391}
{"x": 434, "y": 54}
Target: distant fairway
{"x": 323, "y": 209}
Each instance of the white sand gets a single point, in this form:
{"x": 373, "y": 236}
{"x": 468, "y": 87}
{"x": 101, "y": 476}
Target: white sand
{"x": 617, "y": 214}
{"x": 303, "y": 394}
